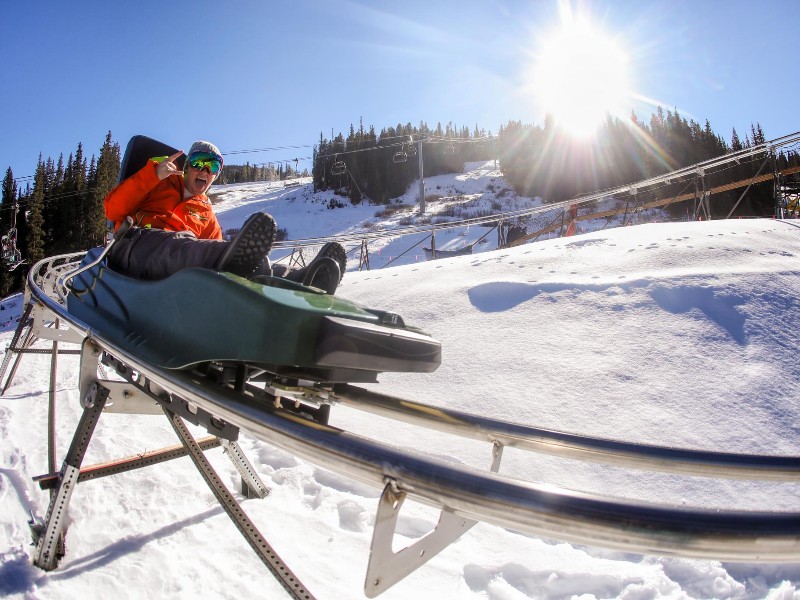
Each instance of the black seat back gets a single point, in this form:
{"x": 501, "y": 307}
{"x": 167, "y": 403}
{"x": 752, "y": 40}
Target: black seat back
{"x": 141, "y": 149}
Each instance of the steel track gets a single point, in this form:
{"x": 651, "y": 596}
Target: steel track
{"x": 539, "y": 509}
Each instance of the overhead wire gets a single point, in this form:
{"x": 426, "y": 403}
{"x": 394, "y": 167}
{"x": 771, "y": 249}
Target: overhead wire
{"x": 426, "y": 139}
{"x": 256, "y": 150}
{"x": 429, "y": 137}
{"x": 54, "y": 197}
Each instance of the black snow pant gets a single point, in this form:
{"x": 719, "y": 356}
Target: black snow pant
{"x": 156, "y": 254}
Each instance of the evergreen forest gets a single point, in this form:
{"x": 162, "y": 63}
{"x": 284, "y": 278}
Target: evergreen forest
{"x": 61, "y": 211}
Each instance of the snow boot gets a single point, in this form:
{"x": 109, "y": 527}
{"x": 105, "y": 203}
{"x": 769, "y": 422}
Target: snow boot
{"x": 322, "y": 273}
{"x": 337, "y": 252}
{"x": 247, "y": 251}
{"x": 331, "y": 250}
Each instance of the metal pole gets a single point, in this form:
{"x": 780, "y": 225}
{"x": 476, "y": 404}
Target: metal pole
{"x": 749, "y": 185}
{"x": 706, "y": 199}
{"x": 51, "y": 420}
{"x": 776, "y": 189}
{"x": 421, "y": 181}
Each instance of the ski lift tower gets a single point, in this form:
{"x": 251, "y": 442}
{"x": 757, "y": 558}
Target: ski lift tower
{"x": 421, "y": 180}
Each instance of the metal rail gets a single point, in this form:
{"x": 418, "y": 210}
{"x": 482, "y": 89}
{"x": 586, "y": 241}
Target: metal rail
{"x": 540, "y": 509}
{"x": 698, "y": 463}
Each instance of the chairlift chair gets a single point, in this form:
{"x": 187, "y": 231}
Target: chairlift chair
{"x": 15, "y": 260}
{"x": 12, "y": 256}
{"x": 8, "y": 242}
{"x": 338, "y": 167}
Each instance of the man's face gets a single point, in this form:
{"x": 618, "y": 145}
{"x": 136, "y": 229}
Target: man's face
{"x": 197, "y": 181}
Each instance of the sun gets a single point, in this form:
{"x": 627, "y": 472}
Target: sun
{"x": 581, "y": 75}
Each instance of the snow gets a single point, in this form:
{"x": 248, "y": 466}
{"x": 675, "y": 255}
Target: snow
{"x": 678, "y": 334}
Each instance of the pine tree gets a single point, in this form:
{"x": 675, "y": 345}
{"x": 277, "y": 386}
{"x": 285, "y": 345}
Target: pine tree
{"x": 7, "y": 209}
{"x": 758, "y": 134}
{"x": 736, "y": 143}
{"x": 35, "y": 249}
{"x": 79, "y": 201}
{"x": 9, "y": 198}
{"x": 104, "y": 179}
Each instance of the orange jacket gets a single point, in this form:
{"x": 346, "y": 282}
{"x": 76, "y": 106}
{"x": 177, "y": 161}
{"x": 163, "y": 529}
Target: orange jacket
{"x": 154, "y": 202}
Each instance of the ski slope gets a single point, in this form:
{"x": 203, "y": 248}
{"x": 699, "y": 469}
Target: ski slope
{"x": 679, "y": 334}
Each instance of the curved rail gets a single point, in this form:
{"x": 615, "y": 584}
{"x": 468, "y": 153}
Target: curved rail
{"x": 697, "y": 463}
{"x": 539, "y": 509}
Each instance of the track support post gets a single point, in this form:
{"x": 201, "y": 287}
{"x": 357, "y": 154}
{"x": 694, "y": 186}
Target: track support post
{"x": 386, "y": 567}
{"x": 252, "y": 486}
{"x": 49, "y": 534}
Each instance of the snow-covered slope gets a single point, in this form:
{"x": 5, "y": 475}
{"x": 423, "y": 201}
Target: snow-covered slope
{"x": 682, "y": 334}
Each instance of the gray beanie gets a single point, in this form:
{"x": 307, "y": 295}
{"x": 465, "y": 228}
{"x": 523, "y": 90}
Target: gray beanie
{"x": 202, "y": 146}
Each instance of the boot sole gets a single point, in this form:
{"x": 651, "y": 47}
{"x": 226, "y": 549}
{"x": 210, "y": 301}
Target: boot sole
{"x": 252, "y": 244}
{"x": 335, "y": 251}
{"x": 326, "y": 267}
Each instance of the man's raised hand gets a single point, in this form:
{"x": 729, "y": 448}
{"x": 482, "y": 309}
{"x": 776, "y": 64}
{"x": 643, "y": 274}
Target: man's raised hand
{"x": 167, "y": 166}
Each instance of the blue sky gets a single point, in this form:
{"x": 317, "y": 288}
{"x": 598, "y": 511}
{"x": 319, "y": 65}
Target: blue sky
{"x": 256, "y": 74}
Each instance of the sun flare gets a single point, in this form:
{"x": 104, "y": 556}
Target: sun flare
{"x": 581, "y": 75}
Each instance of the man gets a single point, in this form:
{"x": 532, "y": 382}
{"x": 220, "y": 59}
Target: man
{"x": 175, "y": 226}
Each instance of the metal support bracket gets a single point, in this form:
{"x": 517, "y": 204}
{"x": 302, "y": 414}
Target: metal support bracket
{"x": 246, "y": 527}
{"x": 138, "y": 395}
{"x": 123, "y": 396}
{"x": 49, "y": 535}
{"x": 252, "y": 486}
{"x": 386, "y": 567}
{"x": 37, "y": 322}
{"x": 45, "y": 327}
{"x": 14, "y": 348}
{"x": 363, "y": 260}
